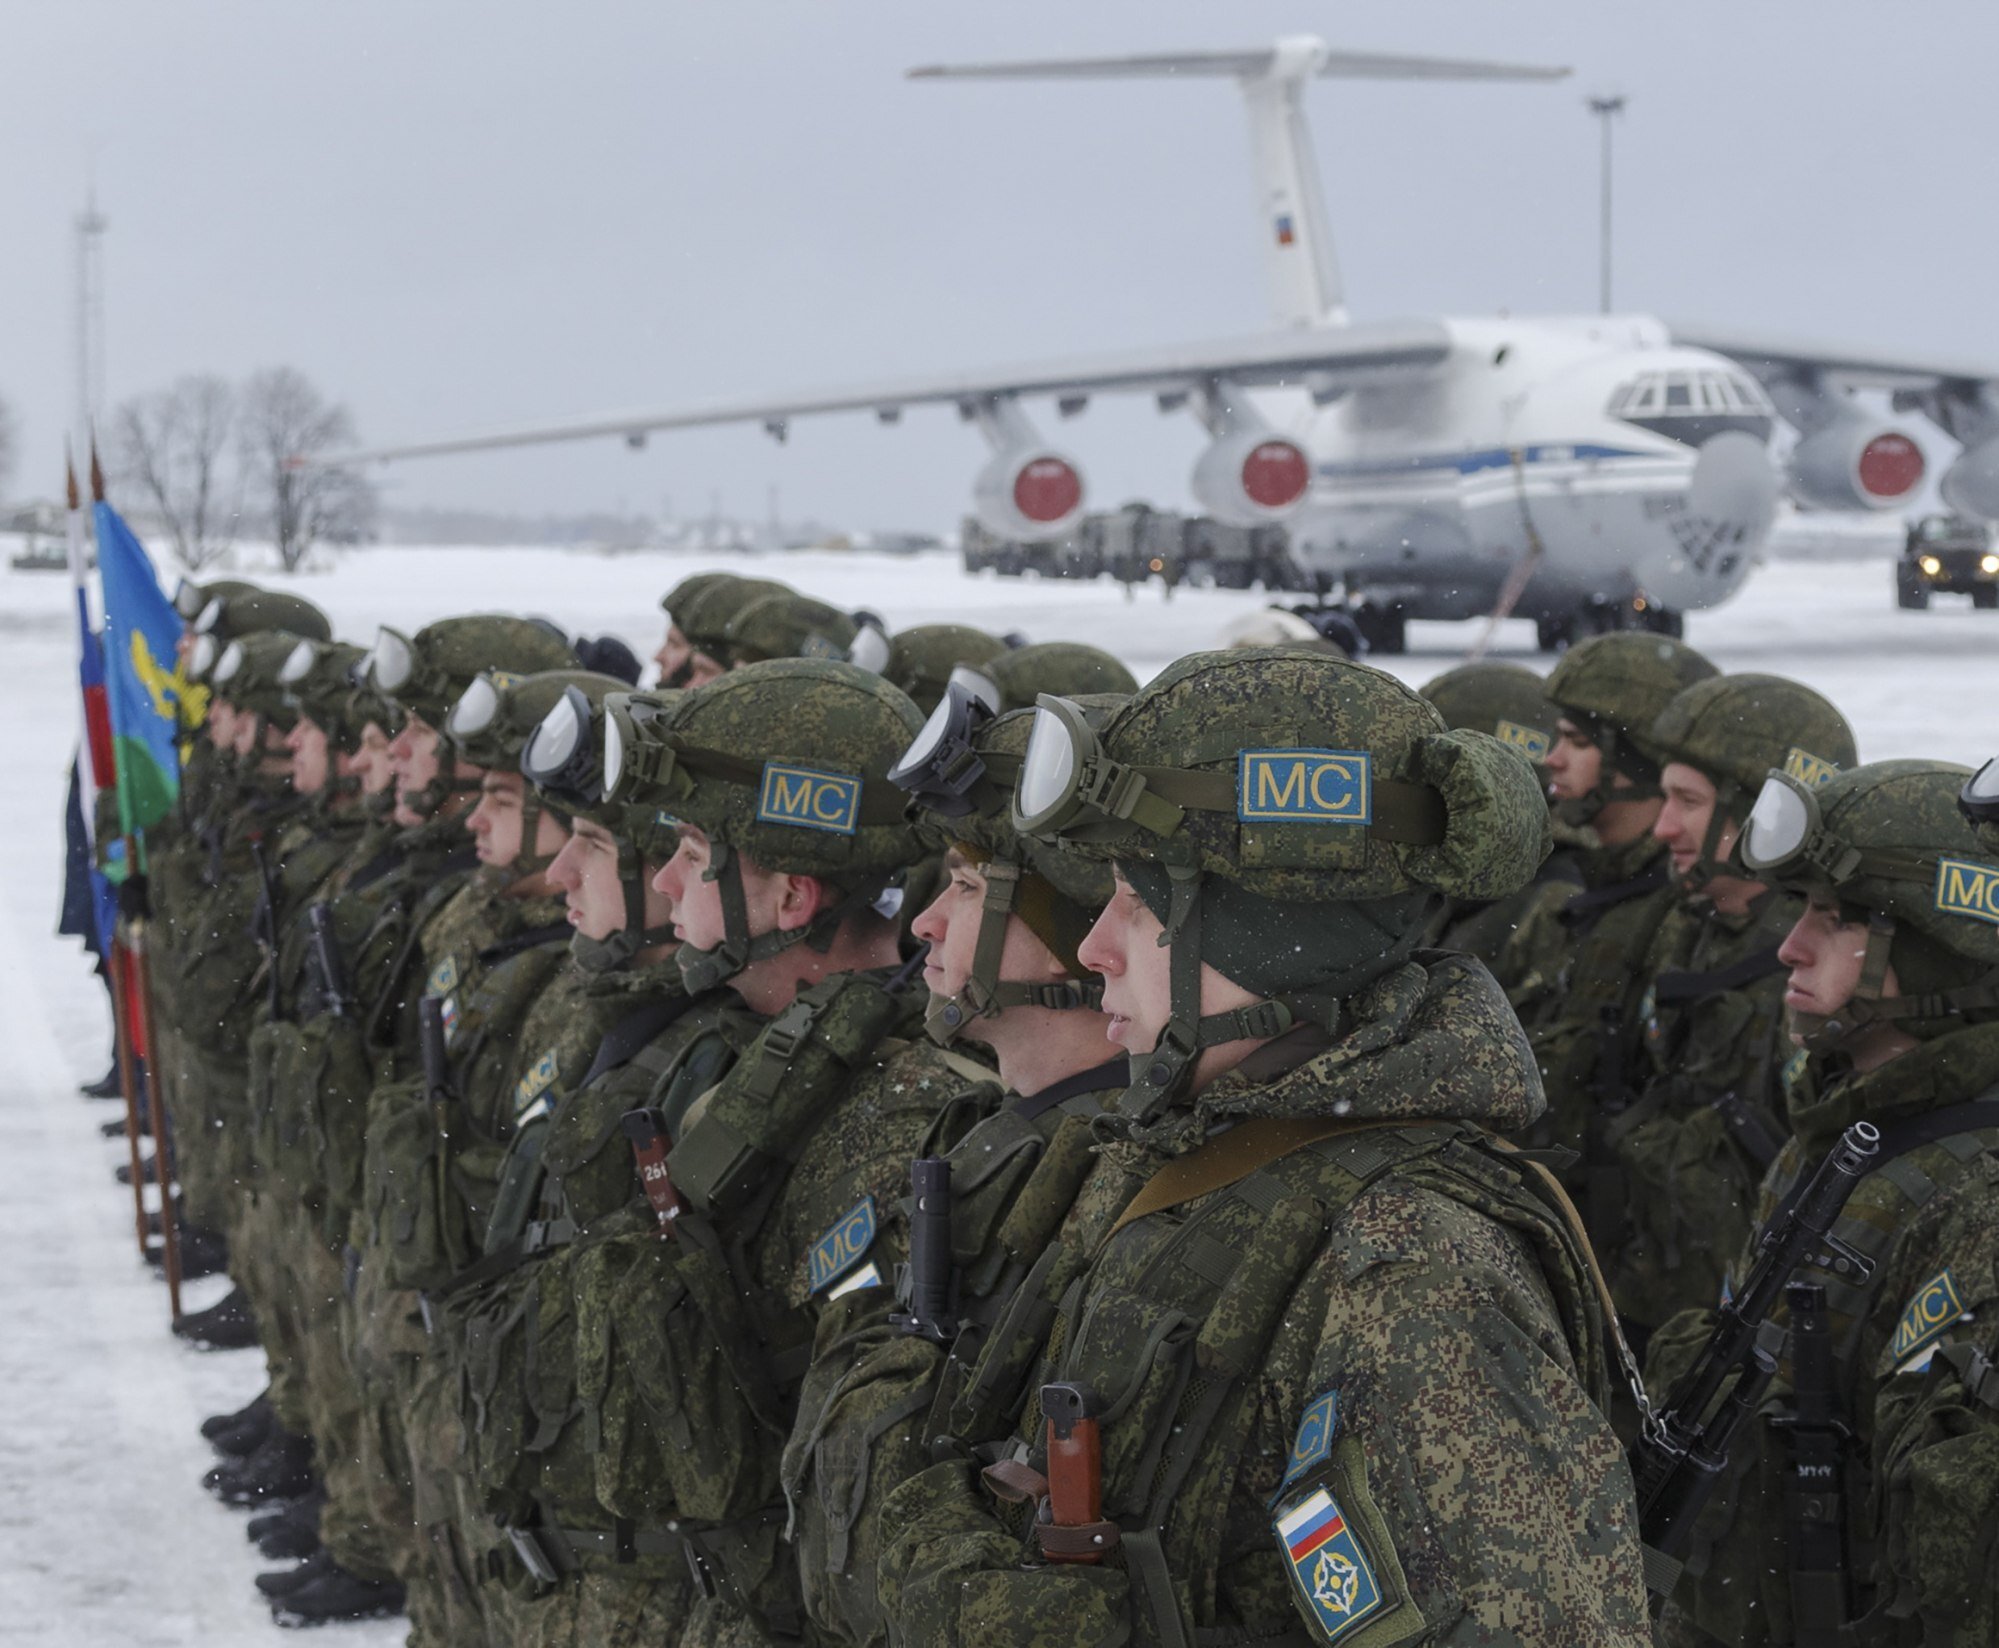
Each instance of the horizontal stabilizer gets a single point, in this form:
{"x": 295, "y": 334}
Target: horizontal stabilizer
{"x": 1300, "y": 57}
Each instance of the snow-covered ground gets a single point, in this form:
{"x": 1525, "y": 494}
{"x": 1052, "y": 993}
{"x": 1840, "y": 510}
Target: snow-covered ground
{"x": 105, "y": 1538}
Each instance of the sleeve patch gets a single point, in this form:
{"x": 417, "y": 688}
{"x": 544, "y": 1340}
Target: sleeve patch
{"x": 1328, "y": 1564}
{"x": 843, "y": 1247}
{"x": 1315, "y": 1437}
{"x": 443, "y": 978}
{"x": 528, "y": 1091}
{"x": 1934, "y": 1308}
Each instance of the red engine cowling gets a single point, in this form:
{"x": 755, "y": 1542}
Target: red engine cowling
{"x": 1251, "y": 477}
{"x": 1029, "y": 495}
{"x": 1856, "y": 462}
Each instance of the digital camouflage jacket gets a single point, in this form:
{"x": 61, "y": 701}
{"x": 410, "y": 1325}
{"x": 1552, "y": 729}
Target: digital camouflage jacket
{"x": 877, "y": 1393}
{"x": 1917, "y": 1498}
{"x": 1351, "y": 1395}
{"x": 1707, "y": 1119}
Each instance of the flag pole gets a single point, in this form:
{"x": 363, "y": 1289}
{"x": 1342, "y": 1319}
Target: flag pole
{"x": 97, "y": 744}
{"x": 141, "y": 1028}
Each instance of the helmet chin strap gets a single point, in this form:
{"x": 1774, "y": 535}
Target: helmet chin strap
{"x": 1707, "y": 863}
{"x": 615, "y": 951}
{"x": 985, "y": 994}
{"x": 1585, "y": 807}
{"x": 427, "y": 801}
{"x": 705, "y": 969}
{"x": 1867, "y": 1008}
{"x": 1161, "y": 1076}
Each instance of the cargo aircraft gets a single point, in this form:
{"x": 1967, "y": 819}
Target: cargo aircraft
{"x": 1586, "y": 471}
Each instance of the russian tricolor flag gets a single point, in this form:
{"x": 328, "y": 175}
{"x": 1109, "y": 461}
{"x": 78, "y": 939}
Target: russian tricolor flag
{"x": 1285, "y": 236}
{"x": 1314, "y": 1521}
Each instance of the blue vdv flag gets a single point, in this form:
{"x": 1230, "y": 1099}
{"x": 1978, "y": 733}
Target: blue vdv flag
{"x": 142, "y": 676}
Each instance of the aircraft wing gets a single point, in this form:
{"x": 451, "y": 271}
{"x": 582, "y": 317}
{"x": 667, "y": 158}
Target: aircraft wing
{"x": 1325, "y": 360}
{"x": 1776, "y": 356}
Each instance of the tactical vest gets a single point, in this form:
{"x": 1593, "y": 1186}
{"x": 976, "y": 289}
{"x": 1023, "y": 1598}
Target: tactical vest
{"x": 1822, "y": 1565}
{"x": 1177, "y": 1313}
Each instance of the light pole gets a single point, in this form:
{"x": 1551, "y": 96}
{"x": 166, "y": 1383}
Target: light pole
{"x": 90, "y": 225}
{"x": 1606, "y": 109}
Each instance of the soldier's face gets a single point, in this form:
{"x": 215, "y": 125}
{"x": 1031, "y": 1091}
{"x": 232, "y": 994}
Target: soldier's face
{"x": 496, "y": 822}
{"x": 221, "y": 725}
{"x": 586, "y": 872}
{"x": 413, "y": 759}
{"x": 673, "y": 654}
{"x": 310, "y": 762}
{"x": 1136, "y": 968}
{"x": 1574, "y": 764}
{"x": 701, "y": 669}
{"x": 1685, "y": 814}
{"x": 243, "y": 733}
{"x": 370, "y": 763}
{"x": 1826, "y": 956}
{"x": 950, "y": 924}
{"x": 696, "y": 901}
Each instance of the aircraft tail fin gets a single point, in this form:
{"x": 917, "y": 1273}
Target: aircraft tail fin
{"x": 1304, "y": 271}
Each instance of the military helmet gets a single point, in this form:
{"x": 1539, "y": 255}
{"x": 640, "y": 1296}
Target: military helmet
{"x": 921, "y": 659}
{"x": 1890, "y": 842}
{"x": 1613, "y": 688}
{"x": 785, "y": 763}
{"x": 959, "y": 772}
{"x": 704, "y": 617}
{"x": 498, "y": 713}
{"x": 1735, "y": 730}
{"x": 318, "y": 676}
{"x": 1069, "y": 669}
{"x": 249, "y": 610}
{"x": 427, "y": 672}
{"x": 248, "y": 674}
{"x": 676, "y": 600}
{"x": 1507, "y": 700}
{"x": 190, "y": 597}
{"x": 1279, "y": 791}
{"x": 787, "y": 625}
{"x": 1978, "y": 801}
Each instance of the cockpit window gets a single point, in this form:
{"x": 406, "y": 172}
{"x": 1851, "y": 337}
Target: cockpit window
{"x": 1691, "y": 406}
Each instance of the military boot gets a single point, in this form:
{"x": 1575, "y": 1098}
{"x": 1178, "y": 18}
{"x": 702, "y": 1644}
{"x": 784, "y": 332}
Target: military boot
{"x": 337, "y": 1594}
{"x": 287, "y": 1580}
{"x": 202, "y": 1253}
{"x": 147, "y": 1170}
{"x": 216, "y": 1424}
{"x": 280, "y": 1469}
{"x": 251, "y": 1430}
{"x": 292, "y": 1532}
{"x": 115, "y": 1127}
{"x": 107, "y": 1086}
{"x": 226, "y": 1325}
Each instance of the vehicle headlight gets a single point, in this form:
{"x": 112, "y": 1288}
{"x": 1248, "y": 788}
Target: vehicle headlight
{"x": 1931, "y": 565}
{"x": 1988, "y": 563}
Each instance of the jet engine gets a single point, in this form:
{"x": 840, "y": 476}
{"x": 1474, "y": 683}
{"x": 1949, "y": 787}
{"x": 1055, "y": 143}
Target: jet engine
{"x": 1971, "y": 485}
{"x": 1853, "y": 461}
{"x": 1250, "y": 476}
{"x": 1028, "y": 494}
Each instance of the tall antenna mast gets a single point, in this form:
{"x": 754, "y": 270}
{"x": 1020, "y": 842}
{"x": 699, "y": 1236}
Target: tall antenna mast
{"x": 90, "y": 225}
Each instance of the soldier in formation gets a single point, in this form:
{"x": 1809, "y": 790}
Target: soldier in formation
{"x": 912, "y": 1138}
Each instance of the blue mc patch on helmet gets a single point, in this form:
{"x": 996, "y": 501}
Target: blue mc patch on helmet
{"x": 1304, "y": 787}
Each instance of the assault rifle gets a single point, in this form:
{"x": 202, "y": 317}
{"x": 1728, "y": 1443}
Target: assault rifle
{"x": 1679, "y": 1457}
{"x": 267, "y": 926}
{"x": 326, "y": 960}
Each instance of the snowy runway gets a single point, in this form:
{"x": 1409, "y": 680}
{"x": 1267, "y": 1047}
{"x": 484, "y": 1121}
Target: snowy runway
{"x": 105, "y": 1537}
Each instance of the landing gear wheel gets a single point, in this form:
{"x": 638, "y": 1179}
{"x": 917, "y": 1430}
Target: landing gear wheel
{"x": 1385, "y": 629}
{"x": 1663, "y": 621}
{"x": 1911, "y": 593}
{"x": 1985, "y": 597}
{"x": 1553, "y": 634}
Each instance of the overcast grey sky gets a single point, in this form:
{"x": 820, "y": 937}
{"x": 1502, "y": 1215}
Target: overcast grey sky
{"x": 466, "y": 213}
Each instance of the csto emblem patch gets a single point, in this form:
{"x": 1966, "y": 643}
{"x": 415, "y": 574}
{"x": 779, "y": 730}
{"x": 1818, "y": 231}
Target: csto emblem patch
{"x": 809, "y": 797}
{"x": 531, "y": 1091}
{"x": 1315, "y": 1437}
{"x": 1935, "y": 1306}
{"x": 1531, "y": 742}
{"x": 842, "y": 1248}
{"x": 1808, "y": 769}
{"x": 1304, "y": 787}
{"x": 1328, "y": 1565}
{"x": 443, "y": 978}
{"x": 1967, "y": 888}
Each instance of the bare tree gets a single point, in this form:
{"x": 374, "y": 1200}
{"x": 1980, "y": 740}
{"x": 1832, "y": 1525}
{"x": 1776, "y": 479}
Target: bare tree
{"x": 171, "y": 445}
{"x": 9, "y": 446}
{"x": 287, "y": 424}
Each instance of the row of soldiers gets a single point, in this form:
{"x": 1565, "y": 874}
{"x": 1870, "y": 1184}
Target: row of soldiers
{"x": 913, "y": 1138}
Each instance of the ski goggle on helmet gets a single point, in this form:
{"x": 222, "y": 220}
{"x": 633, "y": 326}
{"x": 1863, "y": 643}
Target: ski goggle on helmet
{"x": 1979, "y": 799}
{"x": 1066, "y": 779}
{"x": 561, "y": 757}
{"x": 869, "y": 648}
{"x": 941, "y": 767}
{"x": 1786, "y": 839}
{"x": 477, "y": 705}
{"x": 395, "y": 667}
{"x": 298, "y": 663}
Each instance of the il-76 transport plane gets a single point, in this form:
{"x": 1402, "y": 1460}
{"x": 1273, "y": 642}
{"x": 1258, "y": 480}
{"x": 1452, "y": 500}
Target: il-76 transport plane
{"x": 1587, "y": 471}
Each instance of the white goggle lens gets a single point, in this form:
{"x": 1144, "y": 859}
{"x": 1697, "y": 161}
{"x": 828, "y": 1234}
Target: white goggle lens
{"x": 299, "y": 665}
{"x": 869, "y": 650}
{"x": 1048, "y": 770}
{"x": 1777, "y": 827}
{"x": 554, "y": 740}
{"x": 202, "y": 658}
{"x": 614, "y": 755}
{"x": 475, "y": 709}
{"x": 211, "y": 615}
{"x": 979, "y": 684}
{"x": 393, "y": 662}
{"x": 1982, "y": 788}
{"x": 230, "y": 664}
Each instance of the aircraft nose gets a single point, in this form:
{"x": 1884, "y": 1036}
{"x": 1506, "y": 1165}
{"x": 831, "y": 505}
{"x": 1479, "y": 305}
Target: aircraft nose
{"x": 1734, "y": 484}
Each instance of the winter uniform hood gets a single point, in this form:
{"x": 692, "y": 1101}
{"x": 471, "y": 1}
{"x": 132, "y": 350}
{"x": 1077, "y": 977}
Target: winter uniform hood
{"x": 1823, "y": 1101}
{"x": 1433, "y": 1039}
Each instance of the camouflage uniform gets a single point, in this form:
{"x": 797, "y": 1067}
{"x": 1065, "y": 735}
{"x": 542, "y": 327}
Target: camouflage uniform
{"x": 1913, "y": 1435}
{"x": 1573, "y": 968}
{"x": 1705, "y": 1117}
{"x": 1348, "y": 1355}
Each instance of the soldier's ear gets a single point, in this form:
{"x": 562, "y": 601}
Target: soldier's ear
{"x": 799, "y": 899}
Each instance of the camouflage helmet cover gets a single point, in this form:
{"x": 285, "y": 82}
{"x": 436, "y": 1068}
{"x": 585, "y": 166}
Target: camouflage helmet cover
{"x": 250, "y": 610}
{"x": 248, "y": 673}
{"x": 921, "y": 659}
{"x": 1624, "y": 680}
{"x": 782, "y": 726}
{"x": 785, "y": 624}
{"x": 1069, "y": 669}
{"x": 1483, "y": 827}
{"x": 452, "y": 652}
{"x": 677, "y": 599}
{"x": 519, "y": 702}
{"x": 704, "y": 617}
{"x": 1509, "y": 701}
{"x": 1735, "y": 728}
{"x": 319, "y": 678}
{"x": 191, "y": 599}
